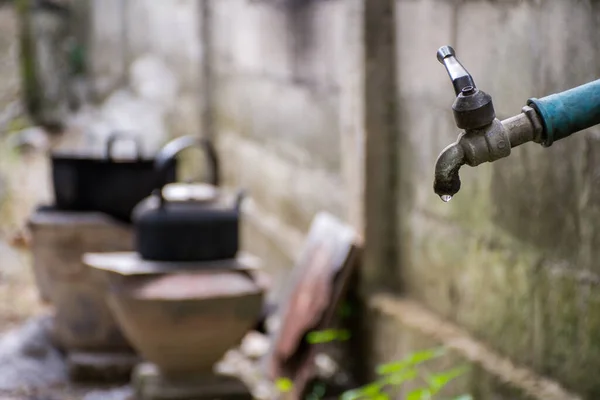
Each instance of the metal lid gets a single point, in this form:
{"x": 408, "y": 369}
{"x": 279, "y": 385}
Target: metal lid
{"x": 196, "y": 192}
{"x": 189, "y": 285}
{"x": 130, "y": 263}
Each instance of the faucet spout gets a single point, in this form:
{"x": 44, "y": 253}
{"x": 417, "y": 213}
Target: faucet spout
{"x": 447, "y": 180}
{"x": 474, "y": 147}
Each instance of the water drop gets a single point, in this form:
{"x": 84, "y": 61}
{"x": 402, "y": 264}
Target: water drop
{"x": 446, "y": 198}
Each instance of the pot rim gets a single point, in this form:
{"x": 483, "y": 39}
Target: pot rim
{"x": 92, "y": 158}
{"x": 117, "y": 292}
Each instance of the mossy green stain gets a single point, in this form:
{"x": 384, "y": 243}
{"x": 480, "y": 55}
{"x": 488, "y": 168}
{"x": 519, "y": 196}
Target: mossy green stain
{"x": 31, "y": 85}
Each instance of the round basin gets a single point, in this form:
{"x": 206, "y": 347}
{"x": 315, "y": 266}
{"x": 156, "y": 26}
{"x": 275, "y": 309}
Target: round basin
{"x": 185, "y": 322}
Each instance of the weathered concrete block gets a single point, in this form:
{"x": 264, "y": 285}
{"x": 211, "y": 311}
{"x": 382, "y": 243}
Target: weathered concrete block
{"x": 299, "y": 123}
{"x": 108, "y": 49}
{"x": 590, "y": 206}
{"x": 186, "y": 117}
{"x": 292, "y": 193}
{"x": 537, "y": 199}
{"x": 568, "y": 318}
{"x": 539, "y": 313}
{"x": 572, "y": 59}
{"x": 123, "y": 32}
{"x": 318, "y": 30}
{"x": 10, "y": 86}
{"x": 249, "y": 48}
{"x": 518, "y": 50}
{"x": 400, "y": 327}
{"x": 171, "y": 30}
{"x": 483, "y": 282}
{"x": 266, "y": 236}
{"x": 49, "y": 36}
{"x": 421, "y": 28}
{"x": 498, "y": 43}
{"x": 302, "y": 43}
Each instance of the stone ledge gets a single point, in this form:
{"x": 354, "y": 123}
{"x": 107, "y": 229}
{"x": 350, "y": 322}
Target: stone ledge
{"x": 101, "y": 367}
{"x": 409, "y": 315}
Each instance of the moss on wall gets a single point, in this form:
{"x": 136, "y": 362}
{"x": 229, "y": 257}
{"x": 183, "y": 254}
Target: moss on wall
{"x": 31, "y": 89}
{"x": 511, "y": 257}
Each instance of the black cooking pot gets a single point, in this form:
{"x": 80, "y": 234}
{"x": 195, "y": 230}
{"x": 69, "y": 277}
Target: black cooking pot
{"x": 186, "y": 230}
{"x": 115, "y": 187}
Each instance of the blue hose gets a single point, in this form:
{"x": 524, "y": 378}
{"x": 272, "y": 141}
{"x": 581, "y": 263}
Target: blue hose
{"x": 568, "y": 112}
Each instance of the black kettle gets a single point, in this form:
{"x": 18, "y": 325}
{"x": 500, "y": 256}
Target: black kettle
{"x": 187, "y": 230}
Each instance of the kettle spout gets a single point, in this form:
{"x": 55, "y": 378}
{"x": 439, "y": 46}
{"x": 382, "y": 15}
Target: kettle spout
{"x": 447, "y": 180}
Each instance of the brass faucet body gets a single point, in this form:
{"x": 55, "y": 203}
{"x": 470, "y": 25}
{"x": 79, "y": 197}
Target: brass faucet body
{"x": 485, "y": 144}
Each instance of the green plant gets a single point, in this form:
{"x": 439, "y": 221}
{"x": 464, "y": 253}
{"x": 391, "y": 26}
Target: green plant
{"x": 392, "y": 375}
{"x": 328, "y": 335}
{"x": 389, "y": 376}
{"x": 284, "y": 385}
{"x": 398, "y": 373}
{"x": 17, "y": 124}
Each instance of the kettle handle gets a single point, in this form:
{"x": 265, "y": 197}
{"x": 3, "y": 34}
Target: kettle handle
{"x": 166, "y": 156}
{"x": 116, "y": 136}
{"x": 239, "y": 199}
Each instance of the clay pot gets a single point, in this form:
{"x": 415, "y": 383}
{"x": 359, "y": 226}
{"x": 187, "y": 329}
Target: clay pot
{"x": 185, "y": 322}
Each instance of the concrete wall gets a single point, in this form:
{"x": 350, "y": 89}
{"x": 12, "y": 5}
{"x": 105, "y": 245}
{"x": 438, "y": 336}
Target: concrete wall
{"x": 342, "y": 106}
{"x": 123, "y": 31}
{"x": 513, "y": 258}
{"x": 282, "y": 103}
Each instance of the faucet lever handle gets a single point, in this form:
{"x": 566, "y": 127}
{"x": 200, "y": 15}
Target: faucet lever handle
{"x": 458, "y": 74}
{"x": 472, "y": 108}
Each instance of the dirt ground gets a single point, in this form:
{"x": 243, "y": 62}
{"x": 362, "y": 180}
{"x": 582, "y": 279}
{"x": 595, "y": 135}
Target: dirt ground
{"x": 18, "y": 294}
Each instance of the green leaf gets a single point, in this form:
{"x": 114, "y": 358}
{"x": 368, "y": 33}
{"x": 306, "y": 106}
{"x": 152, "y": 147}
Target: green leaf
{"x": 354, "y": 394}
{"x": 425, "y": 355}
{"x": 345, "y": 310}
{"x": 284, "y": 385}
{"x": 391, "y": 368}
{"x": 319, "y": 390}
{"x": 381, "y": 396}
{"x": 327, "y": 335}
{"x": 371, "y": 389}
{"x": 419, "y": 394}
{"x": 343, "y": 335}
{"x": 439, "y": 380}
{"x": 409, "y": 361}
{"x": 398, "y": 378}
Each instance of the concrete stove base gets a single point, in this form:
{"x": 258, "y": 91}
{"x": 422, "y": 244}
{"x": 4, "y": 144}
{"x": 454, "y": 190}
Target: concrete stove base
{"x": 101, "y": 367}
{"x": 149, "y": 384}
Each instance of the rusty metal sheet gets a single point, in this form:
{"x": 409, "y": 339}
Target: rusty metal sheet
{"x": 317, "y": 286}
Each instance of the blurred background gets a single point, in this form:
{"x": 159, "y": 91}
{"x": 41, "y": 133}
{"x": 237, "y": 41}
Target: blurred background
{"x": 340, "y": 106}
